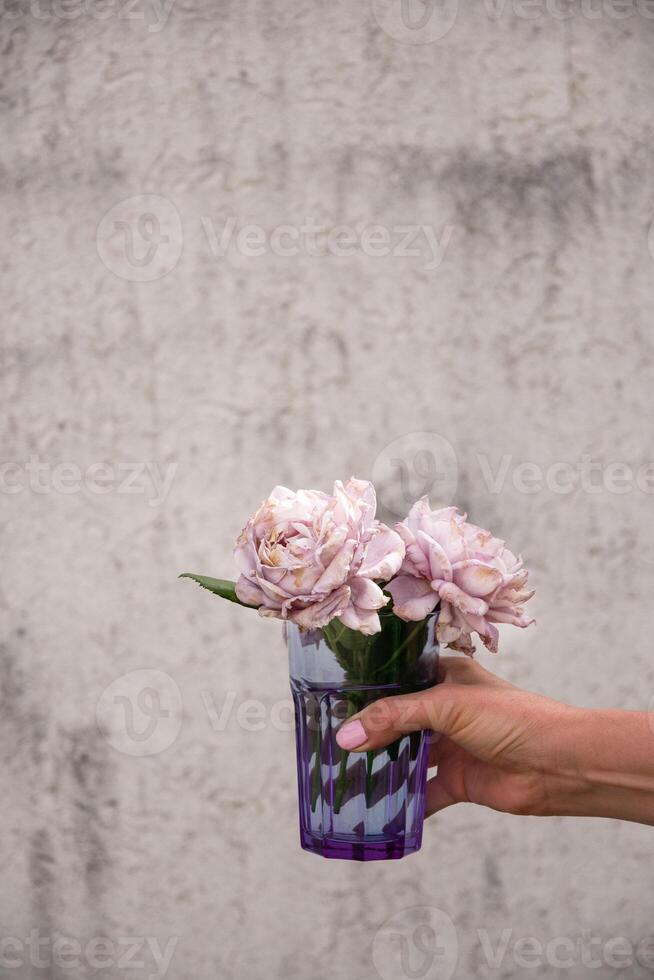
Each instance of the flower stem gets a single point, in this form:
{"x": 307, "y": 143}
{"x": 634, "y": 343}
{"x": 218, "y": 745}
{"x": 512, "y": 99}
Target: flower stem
{"x": 352, "y": 707}
{"x": 398, "y": 651}
{"x": 341, "y": 782}
{"x": 316, "y": 780}
{"x": 370, "y": 760}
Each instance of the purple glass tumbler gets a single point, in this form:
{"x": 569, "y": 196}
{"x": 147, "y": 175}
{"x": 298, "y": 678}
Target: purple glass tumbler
{"x": 365, "y": 806}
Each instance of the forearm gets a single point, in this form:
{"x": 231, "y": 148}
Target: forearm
{"x": 605, "y": 767}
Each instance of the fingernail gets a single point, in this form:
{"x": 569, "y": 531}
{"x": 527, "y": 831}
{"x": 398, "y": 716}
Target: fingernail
{"x": 351, "y": 734}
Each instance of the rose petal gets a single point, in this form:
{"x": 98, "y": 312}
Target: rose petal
{"x": 367, "y": 595}
{"x": 319, "y": 613}
{"x": 476, "y": 578}
{"x": 355, "y": 502}
{"x": 383, "y": 555}
{"x": 439, "y": 563}
{"x": 270, "y": 613}
{"x": 450, "y": 537}
{"x": 420, "y": 509}
{"x": 463, "y": 644}
{"x": 337, "y": 570}
{"x": 446, "y": 634}
{"x": 245, "y": 555}
{"x": 466, "y": 603}
{"x": 249, "y": 592}
{"x": 364, "y": 620}
{"x": 491, "y": 637}
{"x": 413, "y": 598}
{"x": 509, "y": 598}
{"x": 416, "y": 559}
{"x": 488, "y": 633}
{"x": 271, "y": 590}
{"x": 516, "y": 618}
{"x": 331, "y": 544}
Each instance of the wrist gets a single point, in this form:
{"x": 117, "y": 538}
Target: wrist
{"x": 604, "y": 766}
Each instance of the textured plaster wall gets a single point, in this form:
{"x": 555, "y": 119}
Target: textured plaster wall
{"x": 526, "y": 145}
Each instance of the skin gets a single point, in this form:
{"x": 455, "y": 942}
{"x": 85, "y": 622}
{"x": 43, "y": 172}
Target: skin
{"x": 521, "y": 753}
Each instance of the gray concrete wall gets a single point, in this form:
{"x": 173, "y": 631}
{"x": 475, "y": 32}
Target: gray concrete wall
{"x": 136, "y": 333}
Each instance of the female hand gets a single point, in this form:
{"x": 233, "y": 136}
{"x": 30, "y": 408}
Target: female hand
{"x": 517, "y": 752}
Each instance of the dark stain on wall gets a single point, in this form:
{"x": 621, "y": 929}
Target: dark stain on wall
{"x": 553, "y": 188}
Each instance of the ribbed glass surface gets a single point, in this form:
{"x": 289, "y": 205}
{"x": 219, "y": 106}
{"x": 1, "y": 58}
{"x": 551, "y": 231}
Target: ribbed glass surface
{"x": 357, "y": 806}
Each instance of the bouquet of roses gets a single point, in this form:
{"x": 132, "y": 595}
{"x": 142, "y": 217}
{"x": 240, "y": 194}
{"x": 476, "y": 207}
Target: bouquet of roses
{"x": 367, "y": 609}
{"x": 323, "y": 561}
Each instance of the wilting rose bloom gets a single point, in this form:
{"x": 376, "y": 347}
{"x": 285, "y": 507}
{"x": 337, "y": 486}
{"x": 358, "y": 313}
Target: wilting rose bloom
{"x": 309, "y": 557}
{"x": 476, "y": 579}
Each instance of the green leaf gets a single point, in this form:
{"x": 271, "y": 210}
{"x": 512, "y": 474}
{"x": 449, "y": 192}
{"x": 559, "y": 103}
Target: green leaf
{"x": 219, "y": 586}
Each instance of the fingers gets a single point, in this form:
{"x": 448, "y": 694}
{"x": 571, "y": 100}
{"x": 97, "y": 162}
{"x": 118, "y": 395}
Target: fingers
{"x": 384, "y": 721}
{"x": 446, "y": 708}
{"x": 440, "y": 747}
{"x": 436, "y": 796}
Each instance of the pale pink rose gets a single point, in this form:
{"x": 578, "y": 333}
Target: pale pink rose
{"x": 476, "y": 579}
{"x": 309, "y": 557}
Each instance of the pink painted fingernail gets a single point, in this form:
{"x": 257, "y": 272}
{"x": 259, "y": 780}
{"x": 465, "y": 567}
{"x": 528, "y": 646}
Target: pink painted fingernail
{"x": 351, "y": 734}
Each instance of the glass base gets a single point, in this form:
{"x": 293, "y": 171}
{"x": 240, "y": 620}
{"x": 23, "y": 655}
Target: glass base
{"x": 359, "y": 850}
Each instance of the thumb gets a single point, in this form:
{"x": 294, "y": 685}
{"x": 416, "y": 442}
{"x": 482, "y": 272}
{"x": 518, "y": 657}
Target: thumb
{"x": 446, "y": 708}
